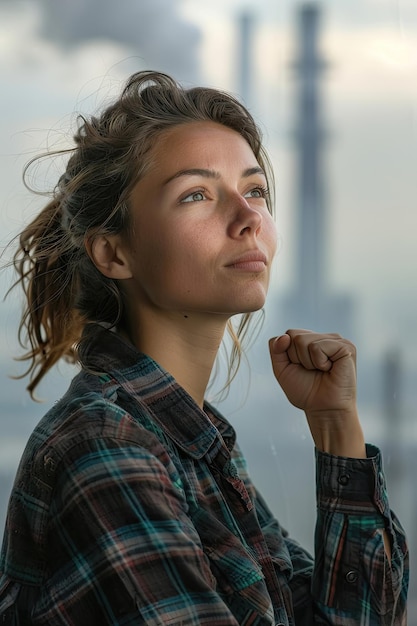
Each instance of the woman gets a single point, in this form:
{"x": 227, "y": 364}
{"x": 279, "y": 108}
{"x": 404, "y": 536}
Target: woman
{"x": 132, "y": 504}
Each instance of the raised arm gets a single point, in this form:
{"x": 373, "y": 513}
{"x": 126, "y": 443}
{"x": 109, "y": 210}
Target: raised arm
{"x": 361, "y": 560}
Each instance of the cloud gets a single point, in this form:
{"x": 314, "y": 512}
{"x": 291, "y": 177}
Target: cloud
{"x": 154, "y": 29}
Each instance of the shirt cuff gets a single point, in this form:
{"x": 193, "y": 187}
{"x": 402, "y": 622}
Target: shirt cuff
{"x": 352, "y": 486}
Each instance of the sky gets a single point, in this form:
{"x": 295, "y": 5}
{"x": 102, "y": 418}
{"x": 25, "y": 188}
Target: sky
{"x": 59, "y": 58}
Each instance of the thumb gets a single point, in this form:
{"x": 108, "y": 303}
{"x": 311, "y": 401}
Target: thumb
{"x": 278, "y": 347}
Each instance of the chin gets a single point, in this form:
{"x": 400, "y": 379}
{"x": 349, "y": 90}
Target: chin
{"x": 253, "y": 309}
{"x": 252, "y": 306}
{"x": 256, "y": 302}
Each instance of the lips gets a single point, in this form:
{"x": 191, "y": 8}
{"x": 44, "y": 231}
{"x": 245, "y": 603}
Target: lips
{"x": 252, "y": 261}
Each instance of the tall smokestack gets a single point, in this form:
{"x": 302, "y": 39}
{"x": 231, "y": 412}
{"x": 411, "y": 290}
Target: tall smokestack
{"x": 309, "y": 137}
{"x": 246, "y": 30}
{"x": 310, "y": 303}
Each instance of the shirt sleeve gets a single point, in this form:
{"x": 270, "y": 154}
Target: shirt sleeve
{"x": 122, "y": 548}
{"x": 354, "y": 581}
{"x": 351, "y": 581}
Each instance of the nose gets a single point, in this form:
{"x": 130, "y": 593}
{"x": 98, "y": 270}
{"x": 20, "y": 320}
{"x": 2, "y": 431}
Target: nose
{"x": 245, "y": 219}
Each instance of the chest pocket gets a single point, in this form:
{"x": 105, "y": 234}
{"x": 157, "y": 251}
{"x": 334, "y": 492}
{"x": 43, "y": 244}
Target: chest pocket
{"x": 240, "y": 581}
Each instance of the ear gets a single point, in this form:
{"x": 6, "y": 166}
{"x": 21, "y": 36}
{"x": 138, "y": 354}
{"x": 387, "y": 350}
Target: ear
{"x": 109, "y": 256}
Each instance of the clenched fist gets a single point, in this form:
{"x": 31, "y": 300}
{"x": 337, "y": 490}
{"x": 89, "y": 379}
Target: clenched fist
{"x": 317, "y": 372}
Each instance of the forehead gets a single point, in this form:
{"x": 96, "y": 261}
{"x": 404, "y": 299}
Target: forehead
{"x": 199, "y": 139}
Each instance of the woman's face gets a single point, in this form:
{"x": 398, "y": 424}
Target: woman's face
{"x": 202, "y": 238}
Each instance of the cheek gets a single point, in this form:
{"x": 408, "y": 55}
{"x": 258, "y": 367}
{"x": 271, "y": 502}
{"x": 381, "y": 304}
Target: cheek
{"x": 193, "y": 241}
{"x": 271, "y": 234}
{"x": 172, "y": 257}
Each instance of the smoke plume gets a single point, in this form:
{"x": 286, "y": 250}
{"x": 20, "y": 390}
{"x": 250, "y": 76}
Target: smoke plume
{"x": 152, "y": 29}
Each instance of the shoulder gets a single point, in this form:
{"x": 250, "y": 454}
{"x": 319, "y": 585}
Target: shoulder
{"x": 86, "y": 445}
{"x": 89, "y": 416}
{"x": 88, "y": 433}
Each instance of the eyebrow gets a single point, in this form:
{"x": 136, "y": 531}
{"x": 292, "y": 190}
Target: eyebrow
{"x": 197, "y": 171}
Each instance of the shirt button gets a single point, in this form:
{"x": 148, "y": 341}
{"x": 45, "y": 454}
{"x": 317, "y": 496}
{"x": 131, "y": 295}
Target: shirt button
{"x": 351, "y": 577}
{"x": 381, "y": 479}
{"x": 344, "y": 479}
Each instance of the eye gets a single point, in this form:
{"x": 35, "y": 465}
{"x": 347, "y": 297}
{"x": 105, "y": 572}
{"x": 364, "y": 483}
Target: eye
{"x": 195, "y": 196}
{"x": 257, "y": 192}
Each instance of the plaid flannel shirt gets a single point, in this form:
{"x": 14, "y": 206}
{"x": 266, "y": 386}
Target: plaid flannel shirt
{"x": 132, "y": 506}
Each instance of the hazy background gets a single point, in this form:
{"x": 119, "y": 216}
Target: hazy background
{"x": 59, "y": 58}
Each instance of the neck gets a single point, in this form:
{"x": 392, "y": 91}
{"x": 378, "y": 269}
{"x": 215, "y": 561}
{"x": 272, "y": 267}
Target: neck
{"x": 185, "y": 345}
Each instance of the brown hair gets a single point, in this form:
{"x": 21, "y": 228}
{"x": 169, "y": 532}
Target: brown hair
{"x": 64, "y": 291}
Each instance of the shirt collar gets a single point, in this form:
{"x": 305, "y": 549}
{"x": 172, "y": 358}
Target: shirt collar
{"x": 194, "y": 430}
